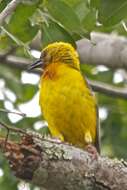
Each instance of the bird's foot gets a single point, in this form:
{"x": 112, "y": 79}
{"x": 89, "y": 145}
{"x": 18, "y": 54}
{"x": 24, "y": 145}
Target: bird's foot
{"x": 93, "y": 151}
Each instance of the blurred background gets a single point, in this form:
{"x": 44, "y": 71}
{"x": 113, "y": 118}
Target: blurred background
{"x": 33, "y": 25}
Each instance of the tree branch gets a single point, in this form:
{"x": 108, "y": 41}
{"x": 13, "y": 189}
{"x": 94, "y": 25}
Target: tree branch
{"x": 108, "y": 90}
{"x": 8, "y": 10}
{"x": 53, "y": 165}
{"x": 22, "y": 63}
{"x": 14, "y": 61}
{"x": 104, "y": 49}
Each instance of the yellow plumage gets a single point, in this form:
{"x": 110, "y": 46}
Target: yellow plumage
{"x": 66, "y": 100}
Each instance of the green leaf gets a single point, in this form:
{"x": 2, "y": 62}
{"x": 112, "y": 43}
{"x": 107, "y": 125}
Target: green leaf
{"x": 74, "y": 3}
{"x": 20, "y": 25}
{"x": 105, "y": 29}
{"x": 7, "y": 178}
{"x": 3, "y": 4}
{"x": 112, "y": 12}
{"x": 120, "y": 29}
{"x": 28, "y": 122}
{"x": 95, "y": 3}
{"x": 12, "y": 37}
{"x": 64, "y": 14}
{"x": 27, "y": 92}
{"x": 53, "y": 32}
{"x": 79, "y": 6}
{"x": 4, "y": 42}
{"x": 89, "y": 21}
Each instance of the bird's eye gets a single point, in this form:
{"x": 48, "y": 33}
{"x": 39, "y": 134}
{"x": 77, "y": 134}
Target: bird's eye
{"x": 46, "y": 57}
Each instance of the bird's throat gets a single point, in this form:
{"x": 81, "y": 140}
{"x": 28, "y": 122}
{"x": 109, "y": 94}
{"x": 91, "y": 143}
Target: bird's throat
{"x": 51, "y": 71}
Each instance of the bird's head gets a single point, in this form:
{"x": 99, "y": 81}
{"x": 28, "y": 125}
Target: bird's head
{"x": 58, "y": 52}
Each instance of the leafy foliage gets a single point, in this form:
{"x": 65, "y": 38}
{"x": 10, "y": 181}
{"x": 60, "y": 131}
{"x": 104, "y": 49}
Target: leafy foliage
{"x": 69, "y": 21}
{"x": 24, "y": 31}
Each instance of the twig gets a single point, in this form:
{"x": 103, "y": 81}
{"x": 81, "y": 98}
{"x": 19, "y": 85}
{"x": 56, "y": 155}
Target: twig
{"x": 14, "y": 61}
{"x": 17, "y": 113}
{"x": 31, "y": 133}
{"x": 6, "y": 139}
{"x": 8, "y": 128}
{"x": 109, "y": 90}
{"x": 8, "y": 10}
{"x": 17, "y": 130}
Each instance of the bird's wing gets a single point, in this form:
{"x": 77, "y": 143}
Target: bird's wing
{"x": 97, "y": 139}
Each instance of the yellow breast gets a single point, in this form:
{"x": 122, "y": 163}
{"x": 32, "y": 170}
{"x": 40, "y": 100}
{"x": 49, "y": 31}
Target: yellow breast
{"x": 68, "y": 105}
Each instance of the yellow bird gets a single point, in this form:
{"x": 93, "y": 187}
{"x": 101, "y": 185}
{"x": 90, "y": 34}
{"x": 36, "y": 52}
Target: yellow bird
{"x": 66, "y": 100}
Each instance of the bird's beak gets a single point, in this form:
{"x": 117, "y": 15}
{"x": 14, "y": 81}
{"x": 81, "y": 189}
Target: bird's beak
{"x": 36, "y": 64}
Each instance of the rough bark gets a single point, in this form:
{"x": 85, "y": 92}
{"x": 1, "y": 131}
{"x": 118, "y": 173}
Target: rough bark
{"x": 54, "y": 165}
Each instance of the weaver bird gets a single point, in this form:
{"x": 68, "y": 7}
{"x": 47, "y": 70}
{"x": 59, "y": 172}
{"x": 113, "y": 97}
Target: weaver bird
{"x": 66, "y": 100}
